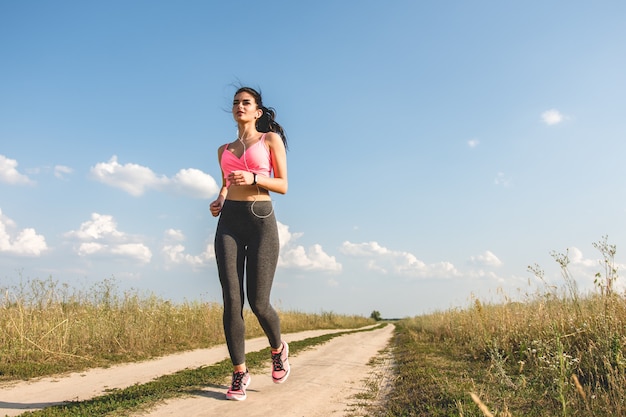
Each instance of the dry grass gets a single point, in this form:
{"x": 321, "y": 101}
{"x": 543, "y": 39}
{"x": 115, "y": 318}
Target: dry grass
{"x": 48, "y": 327}
{"x": 548, "y": 341}
{"x": 572, "y": 353}
{"x": 559, "y": 353}
{"x": 481, "y": 406}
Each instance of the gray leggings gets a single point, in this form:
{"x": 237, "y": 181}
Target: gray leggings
{"x": 245, "y": 241}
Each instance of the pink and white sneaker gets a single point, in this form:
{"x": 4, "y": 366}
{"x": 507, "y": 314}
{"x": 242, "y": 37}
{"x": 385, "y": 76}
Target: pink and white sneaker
{"x": 237, "y": 391}
{"x": 280, "y": 365}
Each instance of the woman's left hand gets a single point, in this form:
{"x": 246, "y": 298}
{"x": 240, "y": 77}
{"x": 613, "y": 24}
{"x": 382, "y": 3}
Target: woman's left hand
{"x": 241, "y": 178}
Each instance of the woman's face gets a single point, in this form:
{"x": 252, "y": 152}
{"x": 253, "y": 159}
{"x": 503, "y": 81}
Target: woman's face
{"x": 245, "y": 107}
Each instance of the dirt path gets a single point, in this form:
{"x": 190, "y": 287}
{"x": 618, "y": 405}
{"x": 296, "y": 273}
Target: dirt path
{"x": 321, "y": 384}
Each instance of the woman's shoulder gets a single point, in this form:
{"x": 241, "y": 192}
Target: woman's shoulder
{"x": 273, "y": 139}
{"x": 221, "y": 150}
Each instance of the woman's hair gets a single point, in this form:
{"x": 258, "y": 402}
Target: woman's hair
{"x": 266, "y": 122}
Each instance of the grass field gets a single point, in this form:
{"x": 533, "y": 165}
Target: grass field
{"x": 559, "y": 353}
{"x": 47, "y": 327}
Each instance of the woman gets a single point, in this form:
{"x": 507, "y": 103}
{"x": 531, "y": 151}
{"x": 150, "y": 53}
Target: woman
{"x": 247, "y": 234}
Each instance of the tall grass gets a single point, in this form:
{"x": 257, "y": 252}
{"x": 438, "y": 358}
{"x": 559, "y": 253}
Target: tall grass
{"x": 561, "y": 350}
{"x": 47, "y": 326}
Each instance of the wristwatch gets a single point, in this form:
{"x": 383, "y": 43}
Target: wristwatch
{"x": 253, "y": 179}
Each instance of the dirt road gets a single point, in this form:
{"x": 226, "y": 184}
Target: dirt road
{"x": 323, "y": 381}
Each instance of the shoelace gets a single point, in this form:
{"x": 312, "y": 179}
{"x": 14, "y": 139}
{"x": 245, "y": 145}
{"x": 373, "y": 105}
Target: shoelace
{"x": 277, "y": 361}
{"x": 237, "y": 380}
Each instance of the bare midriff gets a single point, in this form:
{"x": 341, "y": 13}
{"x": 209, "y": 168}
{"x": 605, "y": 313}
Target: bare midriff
{"x": 247, "y": 193}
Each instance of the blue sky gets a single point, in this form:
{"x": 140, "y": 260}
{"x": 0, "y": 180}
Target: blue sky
{"x": 436, "y": 149}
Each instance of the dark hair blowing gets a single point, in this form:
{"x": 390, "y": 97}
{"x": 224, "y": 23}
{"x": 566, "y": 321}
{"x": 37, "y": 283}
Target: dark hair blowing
{"x": 266, "y": 122}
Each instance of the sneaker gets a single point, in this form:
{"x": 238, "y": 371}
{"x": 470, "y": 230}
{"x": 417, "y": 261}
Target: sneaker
{"x": 237, "y": 391}
{"x": 280, "y": 365}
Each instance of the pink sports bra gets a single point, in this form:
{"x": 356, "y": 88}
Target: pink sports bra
{"x": 255, "y": 159}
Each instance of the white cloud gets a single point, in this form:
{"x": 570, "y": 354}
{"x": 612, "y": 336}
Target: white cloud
{"x": 132, "y": 178}
{"x": 99, "y": 237}
{"x": 61, "y": 170}
{"x": 285, "y": 236}
{"x": 137, "y": 251}
{"x": 9, "y": 173}
{"x": 174, "y": 252}
{"x": 296, "y": 256}
{"x": 101, "y": 226}
{"x": 373, "y": 266}
{"x": 583, "y": 271}
{"x": 136, "y": 179}
{"x": 502, "y": 180}
{"x": 89, "y": 248}
{"x": 488, "y": 258}
{"x": 363, "y": 249}
{"x": 472, "y": 143}
{"x": 26, "y": 242}
{"x": 576, "y": 257}
{"x": 552, "y": 117}
{"x": 313, "y": 258}
{"x": 193, "y": 183}
{"x": 175, "y": 235}
{"x": 383, "y": 260}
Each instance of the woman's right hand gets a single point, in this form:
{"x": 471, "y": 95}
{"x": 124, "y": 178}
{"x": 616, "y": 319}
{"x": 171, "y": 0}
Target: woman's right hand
{"x": 216, "y": 206}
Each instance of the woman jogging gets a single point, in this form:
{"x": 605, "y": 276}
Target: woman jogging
{"x": 246, "y": 240}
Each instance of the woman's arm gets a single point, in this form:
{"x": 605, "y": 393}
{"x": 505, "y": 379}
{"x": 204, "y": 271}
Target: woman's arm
{"x": 278, "y": 183}
{"x": 216, "y": 206}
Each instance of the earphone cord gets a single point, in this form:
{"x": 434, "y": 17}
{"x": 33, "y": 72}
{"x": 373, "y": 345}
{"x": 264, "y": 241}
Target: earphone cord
{"x": 258, "y": 190}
